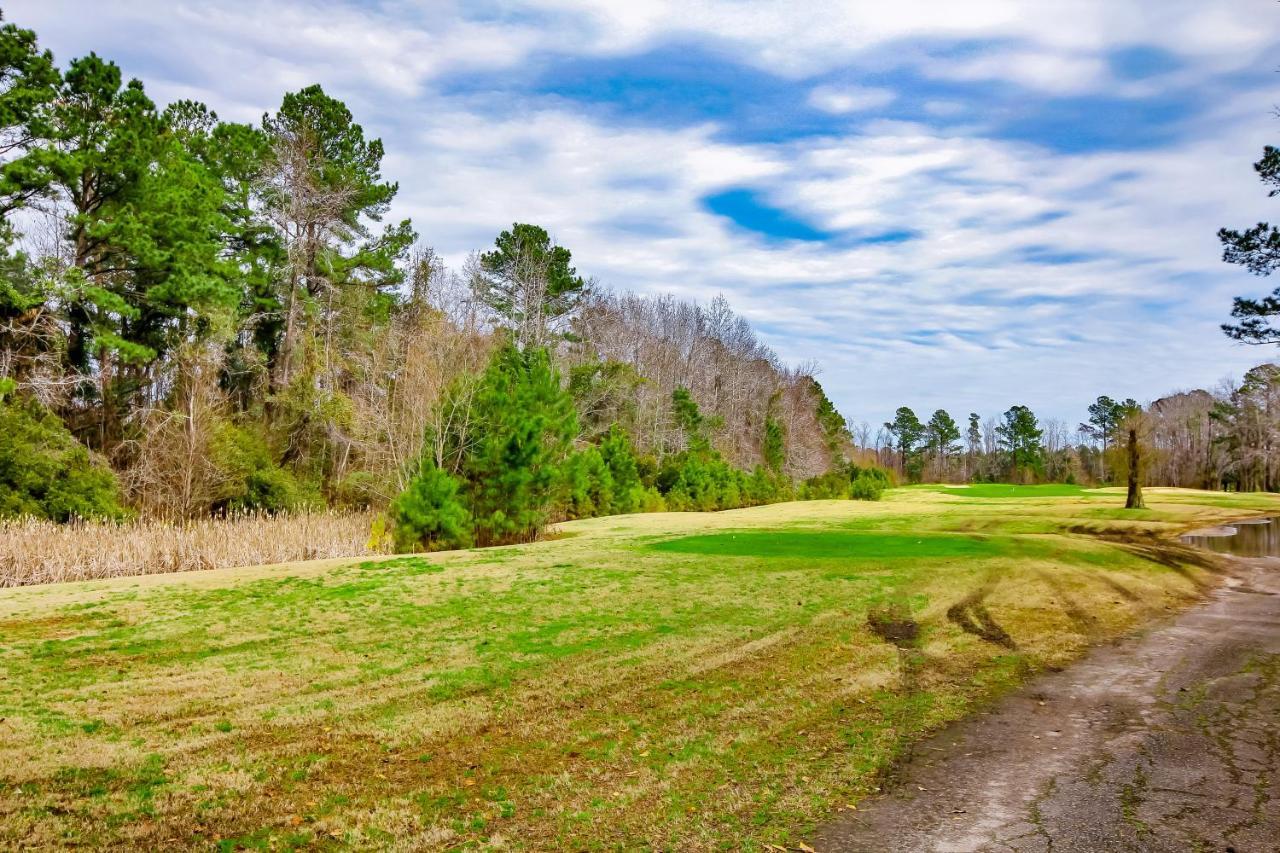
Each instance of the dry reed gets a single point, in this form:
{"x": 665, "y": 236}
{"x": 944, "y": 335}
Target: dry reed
{"x": 33, "y": 551}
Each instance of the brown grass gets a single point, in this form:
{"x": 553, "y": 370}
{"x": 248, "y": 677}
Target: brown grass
{"x": 33, "y": 551}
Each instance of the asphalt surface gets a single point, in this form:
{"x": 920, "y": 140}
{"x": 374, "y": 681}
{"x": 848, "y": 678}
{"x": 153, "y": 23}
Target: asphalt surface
{"x": 1169, "y": 741}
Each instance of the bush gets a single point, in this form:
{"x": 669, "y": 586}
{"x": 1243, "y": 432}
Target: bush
{"x": 45, "y": 472}
{"x": 260, "y": 485}
{"x": 429, "y": 514}
{"x": 833, "y": 485}
{"x": 869, "y": 485}
{"x": 767, "y": 487}
{"x": 704, "y": 482}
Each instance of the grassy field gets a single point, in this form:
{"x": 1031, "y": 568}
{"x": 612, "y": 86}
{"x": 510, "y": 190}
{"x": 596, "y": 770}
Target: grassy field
{"x": 674, "y": 681}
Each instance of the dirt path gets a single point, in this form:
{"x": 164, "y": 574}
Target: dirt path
{"x": 1166, "y": 742}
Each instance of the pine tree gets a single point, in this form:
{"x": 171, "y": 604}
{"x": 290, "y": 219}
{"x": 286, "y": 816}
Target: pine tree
{"x": 1019, "y": 436}
{"x": 524, "y": 427}
{"x": 908, "y": 433}
{"x": 530, "y": 283}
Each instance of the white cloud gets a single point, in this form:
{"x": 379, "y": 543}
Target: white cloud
{"x": 848, "y": 99}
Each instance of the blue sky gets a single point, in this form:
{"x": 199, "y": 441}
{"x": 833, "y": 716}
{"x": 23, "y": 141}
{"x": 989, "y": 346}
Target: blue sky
{"x": 957, "y": 205}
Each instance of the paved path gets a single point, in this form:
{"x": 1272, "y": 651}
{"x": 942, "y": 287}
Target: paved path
{"x": 1166, "y": 742}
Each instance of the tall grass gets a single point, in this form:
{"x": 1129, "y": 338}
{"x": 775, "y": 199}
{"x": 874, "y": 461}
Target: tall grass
{"x": 34, "y": 551}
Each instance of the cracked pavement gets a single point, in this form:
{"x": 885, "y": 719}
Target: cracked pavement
{"x": 1167, "y": 741}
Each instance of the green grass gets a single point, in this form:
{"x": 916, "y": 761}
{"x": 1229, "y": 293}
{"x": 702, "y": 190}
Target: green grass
{"x": 854, "y": 547}
{"x": 1002, "y": 490}
{"x": 670, "y": 681}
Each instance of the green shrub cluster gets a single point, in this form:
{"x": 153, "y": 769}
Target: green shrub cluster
{"x": 847, "y": 482}
{"x": 517, "y": 470}
{"x": 513, "y": 467}
{"x": 258, "y": 483}
{"x": 45, "y": 472}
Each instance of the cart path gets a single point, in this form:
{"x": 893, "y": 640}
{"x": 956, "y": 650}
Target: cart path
{"x": 1168, "y": 741}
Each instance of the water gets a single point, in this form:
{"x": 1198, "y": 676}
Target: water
{"x": 1256, "y": 537}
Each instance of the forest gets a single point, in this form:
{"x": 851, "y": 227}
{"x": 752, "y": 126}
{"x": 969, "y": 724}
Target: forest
{"x": 205, "y": 319}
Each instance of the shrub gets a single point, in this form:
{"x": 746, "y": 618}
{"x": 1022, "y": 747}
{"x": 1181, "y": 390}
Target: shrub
{"x": 869, "y": 485}
{"x": 702, "y": 482}
{"x": 45, "y": 472}
{"x": 828, "y": 486}
{"x": 259, "y": 484}
{"x": 766, "y": 487}
{"x": 429, "y": 514}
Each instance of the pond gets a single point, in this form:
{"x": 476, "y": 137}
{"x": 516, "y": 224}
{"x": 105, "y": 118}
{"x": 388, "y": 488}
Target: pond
{"x": 1254, "y": 537}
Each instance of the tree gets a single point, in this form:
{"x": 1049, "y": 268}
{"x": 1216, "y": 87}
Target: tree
{"x": 44, "y": 471}
{"x": 1257, "y": 249}
{"x": 620, "y": 458}
{"x": 605, "y": 394}
{"x": 144, "y": 230}
{"x": 524, "y": 427}
{"x": 942, "y": 439}
{"x": 907, "y": 432}
{"x": 1131, "y": 422}
{"x": 835, "y": 429}
{"x": 1019, "y": 436}
{"x": 690, "y": 422}
{"x": 28, "y": 85}
{"x": 774, "y": 446}
{"x": 324, "y": 186}
{"x": 1105, "y": 418}
{"x": 429, "y": 514}
{"x": 529, "y": 283}
{"x": 240, "y": 156}
{"x": 973, "y": 445}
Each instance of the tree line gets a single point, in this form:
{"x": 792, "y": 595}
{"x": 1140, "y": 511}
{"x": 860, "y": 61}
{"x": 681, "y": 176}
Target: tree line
{"x": 1016, "y": 447}
{"x": 1227, "y": 438}
{"x": 200, "y": 316}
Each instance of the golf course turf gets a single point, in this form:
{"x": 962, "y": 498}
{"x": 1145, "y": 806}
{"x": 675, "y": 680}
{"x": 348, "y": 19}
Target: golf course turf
{"x": 690, "y": 681}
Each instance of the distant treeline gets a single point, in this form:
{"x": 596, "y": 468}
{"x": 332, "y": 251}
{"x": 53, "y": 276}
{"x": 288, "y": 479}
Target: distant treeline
{"x": 1228, "y": 438}
{"x": 200, "y": 316}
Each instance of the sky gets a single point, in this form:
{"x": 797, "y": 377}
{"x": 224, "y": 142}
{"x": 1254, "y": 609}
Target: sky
{"x": 945, "y": 205}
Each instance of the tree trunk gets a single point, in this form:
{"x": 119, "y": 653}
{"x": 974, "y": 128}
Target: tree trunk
{"x": 1134, "y": 500}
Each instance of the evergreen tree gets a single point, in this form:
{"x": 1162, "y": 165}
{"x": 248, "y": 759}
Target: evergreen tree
{"x": 691, "y": 424}
{"x": 28, "y": 85}
{"x": 145, "y": 233}
{"x": 1257, "y": 249}
{"x": 835, "y": 429}
{"x": 524, "y": 425}
{"x": 44, "y": 471}
{"x": 1105, "y": 417}
{"x": 907, "y": 433}
{"x": 942, "y": 438}
{"x": 530, "y": 283}
{"x": 774, "y": 446}
{"x": 324, "y": 188}
{"x": 973, "y": 442}
{"x": 1019, "y": 436}
{"x": 429, "y": 514}
{"x": 620, "y": 458}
